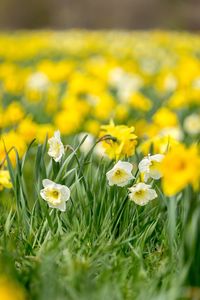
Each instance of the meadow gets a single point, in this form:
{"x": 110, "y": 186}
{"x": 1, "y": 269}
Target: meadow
{"x": 99, "y": 165}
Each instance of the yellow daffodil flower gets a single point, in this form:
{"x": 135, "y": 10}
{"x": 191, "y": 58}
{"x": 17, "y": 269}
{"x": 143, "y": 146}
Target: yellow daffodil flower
{"x": 122, "y": 140}
{"x": 180, "y": 167}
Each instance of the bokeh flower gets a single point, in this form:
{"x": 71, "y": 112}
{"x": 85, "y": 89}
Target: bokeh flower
{"x": 5, "y": 180}
{"x": 180, "y": 167}
{"x": 192, "y": 124}
{"x": 9, "y": 290}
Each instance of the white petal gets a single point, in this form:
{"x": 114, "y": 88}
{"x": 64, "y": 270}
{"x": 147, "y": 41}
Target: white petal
{"x": 57, "y": 159}
{"x": 42, "y": 194}
{"x": 109, "y": 174}
{"x": 146, "y": 177}
{"x": 144, "y": 165}
{"x": 57, "y": 134}
{"x": 157, "y": 157}
{"x": 65, "y": 193}
{"x": 141, "y": 186}
{"x": 128, "y": 167}
{"x": 51, "y": 141}
{"x": 155, "y": 174}
{"x": 152, "y": 194}
{"x": 62, "y": 206}
{"x": 131, "y": 189}
{"x": 47, "y": 183}
{"x": 126, "y": 181}
{"x": 141, "y": 202}
{"x": 110, "y": 183}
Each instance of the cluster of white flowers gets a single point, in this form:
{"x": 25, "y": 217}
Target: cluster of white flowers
{"x": 125, "y": 83}
{"x": 141, "y": 193}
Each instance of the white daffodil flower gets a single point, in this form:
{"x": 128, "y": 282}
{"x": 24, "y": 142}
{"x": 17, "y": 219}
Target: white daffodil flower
{"x": 89, "y": 142}
{"x": 150, "y": 166}
{"x": 55, "y": 194}
{"x": 192, "y": 124}
{"x": 174, "y": 132}
{"x": 56, "y": 147}
{"x": 38, "y": 81}
{"x": 120, "y": 174}
{"x": 141, "y": 193}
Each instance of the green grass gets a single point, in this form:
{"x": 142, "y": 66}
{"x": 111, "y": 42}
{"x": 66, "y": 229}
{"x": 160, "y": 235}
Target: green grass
{"x": 103, "y": 247}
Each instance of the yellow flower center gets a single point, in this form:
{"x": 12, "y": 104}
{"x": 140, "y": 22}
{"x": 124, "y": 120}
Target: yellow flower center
{"x": 154, "y": 165}
{"x": 53, "y": 195}
{"x": 118, "y": 173}
{"x": 180, "y": 165}
{"x": 140, "y": 194}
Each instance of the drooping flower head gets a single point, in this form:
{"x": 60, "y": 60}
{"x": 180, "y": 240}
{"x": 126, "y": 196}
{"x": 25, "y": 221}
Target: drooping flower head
{"x": 180, "y": 167}
{"x": 149, "y": 166}
{"x": 56, "y": 147}
{"x": 55, "y": 194}
{"x": 122, "y": 140}
{"x": 141, "y": 193}
{"x": 120, "y": 174}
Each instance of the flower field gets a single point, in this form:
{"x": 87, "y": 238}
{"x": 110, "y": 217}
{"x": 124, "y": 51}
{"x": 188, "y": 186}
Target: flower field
{"x": 99, "y": 165}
